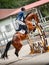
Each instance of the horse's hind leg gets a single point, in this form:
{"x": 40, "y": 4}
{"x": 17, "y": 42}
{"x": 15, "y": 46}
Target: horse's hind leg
{"x": 6, "y": 50}
{"x": 16, "y": 53}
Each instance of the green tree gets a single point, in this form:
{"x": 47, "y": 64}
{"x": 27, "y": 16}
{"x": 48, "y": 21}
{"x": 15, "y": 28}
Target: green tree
{"x": 44, "y": 9}
{"x": 14, "y": 3}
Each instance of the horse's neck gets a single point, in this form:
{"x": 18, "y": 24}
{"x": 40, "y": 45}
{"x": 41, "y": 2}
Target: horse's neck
{"x": 32, "y": 16}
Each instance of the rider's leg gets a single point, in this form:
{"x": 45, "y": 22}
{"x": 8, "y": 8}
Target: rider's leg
{"x": 6, "y": 50}
{"x": 24, "y": 27}
{"x": 20, "y": 27}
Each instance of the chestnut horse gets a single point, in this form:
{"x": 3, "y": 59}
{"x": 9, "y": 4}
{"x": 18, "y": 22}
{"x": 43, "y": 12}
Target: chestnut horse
{"x": 18, "y": 37}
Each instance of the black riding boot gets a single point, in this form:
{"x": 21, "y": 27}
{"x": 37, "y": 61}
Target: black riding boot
{"x": 6, "y": 50}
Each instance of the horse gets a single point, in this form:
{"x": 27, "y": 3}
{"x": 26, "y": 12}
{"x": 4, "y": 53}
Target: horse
{"x": 18, "y": 37}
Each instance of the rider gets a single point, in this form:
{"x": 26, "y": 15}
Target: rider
{"x": 20, "y": 21}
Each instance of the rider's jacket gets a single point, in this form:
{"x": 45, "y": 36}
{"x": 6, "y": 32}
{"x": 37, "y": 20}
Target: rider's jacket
{"x": 20, "y": 25}
{"x": 20, "y": 16}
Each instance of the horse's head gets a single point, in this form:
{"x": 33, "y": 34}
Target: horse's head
{"x": 28, "y": 20}
{"x": 31, "y": 16}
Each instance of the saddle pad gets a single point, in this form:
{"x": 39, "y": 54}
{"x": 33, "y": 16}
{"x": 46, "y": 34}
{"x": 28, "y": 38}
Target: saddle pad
{"x": 22, "y": 31}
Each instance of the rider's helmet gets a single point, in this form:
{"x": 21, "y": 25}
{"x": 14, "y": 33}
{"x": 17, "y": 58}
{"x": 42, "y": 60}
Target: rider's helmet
{"x": 22, "y": 9}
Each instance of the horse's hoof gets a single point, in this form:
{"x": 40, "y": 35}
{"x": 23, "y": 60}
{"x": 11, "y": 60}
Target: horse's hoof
{"x": 3, "y": 56}
{"x": 16, "y": 54}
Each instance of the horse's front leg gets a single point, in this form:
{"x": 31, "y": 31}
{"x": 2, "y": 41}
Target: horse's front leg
{"x": 6, "y": 50}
